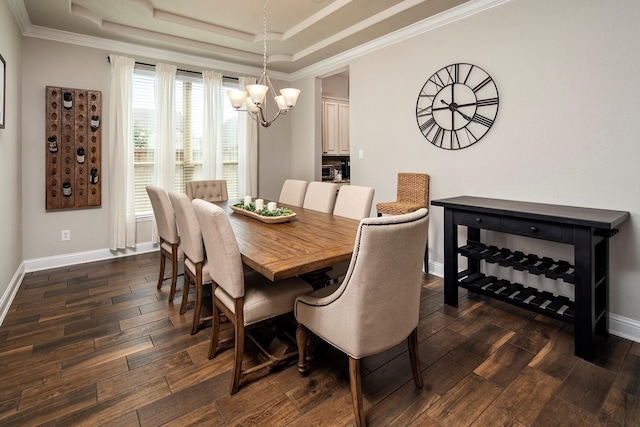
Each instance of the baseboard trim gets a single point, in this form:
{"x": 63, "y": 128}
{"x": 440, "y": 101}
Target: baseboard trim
{"x": 624, "y": 327}
{"x": 56, "y": 261}
{"x": 10, "y": 292}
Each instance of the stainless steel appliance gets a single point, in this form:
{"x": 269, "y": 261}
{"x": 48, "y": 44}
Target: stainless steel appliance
{"x": 328, "y": 172}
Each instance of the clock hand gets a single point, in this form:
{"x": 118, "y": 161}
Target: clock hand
{"x": 454, "y": 107}
{"x": 453, "y": 114}
{"x": 464, "y": 115}
{"x": 469, "y": 104}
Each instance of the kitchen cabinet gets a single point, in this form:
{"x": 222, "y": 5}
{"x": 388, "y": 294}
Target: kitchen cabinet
{"x": 335, "y": 127}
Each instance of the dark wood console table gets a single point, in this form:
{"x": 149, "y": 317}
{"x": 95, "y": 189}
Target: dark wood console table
{"x": 588, "y": 230}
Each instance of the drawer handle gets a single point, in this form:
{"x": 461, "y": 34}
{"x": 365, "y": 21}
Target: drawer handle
{"x": 478, "y": 220}
{"x": 533, "y": 229}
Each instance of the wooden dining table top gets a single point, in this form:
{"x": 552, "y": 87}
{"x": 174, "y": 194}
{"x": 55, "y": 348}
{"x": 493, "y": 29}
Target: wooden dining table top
{"x": 309, "y": 241}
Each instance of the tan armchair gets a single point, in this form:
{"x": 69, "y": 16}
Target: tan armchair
{"x": 377, "y": 305}
{"x": 196, "y": 267}
{"x": 244, "y": 298}
{"x": 170, "y": 247}
{"x": 214, "y": 190}
{"x": 292, "y": 192}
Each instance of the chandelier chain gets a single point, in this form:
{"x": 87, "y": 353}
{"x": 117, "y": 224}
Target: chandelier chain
{"x": 264, "y": 36}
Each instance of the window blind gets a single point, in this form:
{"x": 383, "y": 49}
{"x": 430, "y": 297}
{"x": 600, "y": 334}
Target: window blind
{"x": 189, "y": 135}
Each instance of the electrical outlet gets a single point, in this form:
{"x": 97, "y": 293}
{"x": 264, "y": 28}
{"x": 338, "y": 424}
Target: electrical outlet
{"x": 361, "y": 153}
{"x": 65, "y": 235}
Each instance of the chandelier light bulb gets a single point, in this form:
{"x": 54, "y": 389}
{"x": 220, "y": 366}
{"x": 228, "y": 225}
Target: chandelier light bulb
{"x": 290, "y": 96}
{"x": 282, "y": 104}
{"x": 237, "y": 98}
{"x": 257, "y": 93}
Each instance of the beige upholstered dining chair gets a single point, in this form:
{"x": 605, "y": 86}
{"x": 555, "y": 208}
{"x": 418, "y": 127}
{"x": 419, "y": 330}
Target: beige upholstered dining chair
{"x": 168, "y": 233}
{"x": 244, "y": 298}
{"x": 412, "y": 194}
{"x": 377, "y": 305}
{"x": 320, "y": 196}
{"x": 292, "y": 192}
{"x": 213, "y": 190}
{"x": 196, "y": 267}
{"x": 353, "y": 201}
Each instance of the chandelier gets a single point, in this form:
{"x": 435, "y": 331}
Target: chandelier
{"x": 256, "y": 102}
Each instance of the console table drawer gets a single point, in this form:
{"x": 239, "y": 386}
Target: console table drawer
{"x": 541, "y": 230}
{"x": 479, "y": 220}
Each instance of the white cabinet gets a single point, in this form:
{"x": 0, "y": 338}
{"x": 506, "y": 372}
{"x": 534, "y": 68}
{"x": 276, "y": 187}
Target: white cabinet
{"x": 335, "y": 127}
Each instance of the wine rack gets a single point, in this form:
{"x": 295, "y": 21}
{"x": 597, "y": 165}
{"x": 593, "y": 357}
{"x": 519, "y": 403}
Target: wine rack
{"x": 73, "y": 144}
{"x": 587, "y": 230}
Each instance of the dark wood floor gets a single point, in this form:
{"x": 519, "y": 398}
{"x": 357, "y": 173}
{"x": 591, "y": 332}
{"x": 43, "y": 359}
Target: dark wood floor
{"x": 97, "y": 344}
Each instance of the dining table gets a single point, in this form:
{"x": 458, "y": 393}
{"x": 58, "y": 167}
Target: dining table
{"x": 310, "y": 241}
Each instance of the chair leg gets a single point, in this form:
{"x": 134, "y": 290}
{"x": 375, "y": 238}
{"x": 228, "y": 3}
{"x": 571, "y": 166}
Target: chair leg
{"x": 414, "y": 357}
{"x": 198, "y": 305}
{"x": 356, "y": 391}
{"x": 185, "y": 293}
{"x": 215, "y": 328}
{"x": 239, "y": 346}
{"x": 174, "y": 271}
{"x": 302, "y": 338}
{"x": 162, "y": 265}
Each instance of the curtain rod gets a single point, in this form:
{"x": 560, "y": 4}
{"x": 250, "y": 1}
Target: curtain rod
{"x": 179, "y": 69}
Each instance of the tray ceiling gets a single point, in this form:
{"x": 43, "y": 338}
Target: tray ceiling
{"x": 300, "y": 32}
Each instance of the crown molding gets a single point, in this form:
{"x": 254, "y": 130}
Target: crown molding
{"x": 457, "y": 13}
{"x": 20, "y": 14}
{"x": 339, "y": 61}
{"x": 146, "y": 52}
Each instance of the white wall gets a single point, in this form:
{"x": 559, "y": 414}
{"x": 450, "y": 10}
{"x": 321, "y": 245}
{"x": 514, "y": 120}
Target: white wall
{"x": 566, "y": 131}
{"x": 336, "y": 86}
{"x": 47, "y": 63}
{"x": 306, "y": 131}
{"x": 11, "y": 154}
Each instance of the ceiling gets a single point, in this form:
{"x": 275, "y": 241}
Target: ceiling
{"x": 299, "y": 32}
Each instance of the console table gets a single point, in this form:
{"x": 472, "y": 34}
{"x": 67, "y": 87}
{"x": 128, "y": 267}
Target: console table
{"x": 588, "y": 230}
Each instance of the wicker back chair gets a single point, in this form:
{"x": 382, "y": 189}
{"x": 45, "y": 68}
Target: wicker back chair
{"x": 413, "y": 194}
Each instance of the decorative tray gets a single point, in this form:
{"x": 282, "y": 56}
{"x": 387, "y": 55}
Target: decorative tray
{"x": 272, "y": 217}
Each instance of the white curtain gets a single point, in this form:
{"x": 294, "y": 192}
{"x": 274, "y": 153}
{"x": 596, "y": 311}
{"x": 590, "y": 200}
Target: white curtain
{"x": 122, "y": 218}
{"x": 165, "y": 149}
{"x": 212, "y": 133}
{"x": 247, "y": 148}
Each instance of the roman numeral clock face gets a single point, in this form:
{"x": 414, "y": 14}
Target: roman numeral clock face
{"x": 457, "y": 106}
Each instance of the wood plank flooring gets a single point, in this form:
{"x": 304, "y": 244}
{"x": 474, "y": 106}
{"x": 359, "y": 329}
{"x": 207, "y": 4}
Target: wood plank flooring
{"x": 98, "y": 344}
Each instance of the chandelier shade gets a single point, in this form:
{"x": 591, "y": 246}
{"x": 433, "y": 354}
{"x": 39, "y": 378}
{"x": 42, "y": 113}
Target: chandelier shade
{"x": 254, "y": 102}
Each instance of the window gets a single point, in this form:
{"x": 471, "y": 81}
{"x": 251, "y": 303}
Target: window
{"x": 189, "y": 133}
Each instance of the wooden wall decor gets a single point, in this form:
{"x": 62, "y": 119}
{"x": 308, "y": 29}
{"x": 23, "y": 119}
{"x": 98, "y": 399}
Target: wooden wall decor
{"x": 73, "y": 145}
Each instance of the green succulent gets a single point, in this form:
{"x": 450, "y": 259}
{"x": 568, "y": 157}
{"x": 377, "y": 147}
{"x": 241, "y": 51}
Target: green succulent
{"x": 264, "y": 211}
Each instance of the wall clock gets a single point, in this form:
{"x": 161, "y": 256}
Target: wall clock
{"x": 457, "y": 106}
